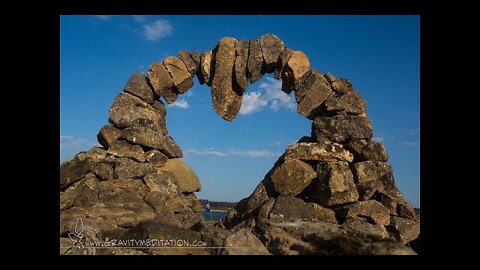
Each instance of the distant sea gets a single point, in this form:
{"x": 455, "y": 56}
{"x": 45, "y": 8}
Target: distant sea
{"x": 213, "y": 215}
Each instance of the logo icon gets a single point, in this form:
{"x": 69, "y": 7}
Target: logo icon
{"x": 77, "y": 235}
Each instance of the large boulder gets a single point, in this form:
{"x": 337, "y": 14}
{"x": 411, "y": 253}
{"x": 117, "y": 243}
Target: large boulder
{"x": 162, "y": 82}
{"x": 311, "y": 94}
{"x": 405, "y": 230}
{"x": 271, "y": 46}
{"x": 130, "y": 111}
{"x": 241, "y": 60}
{"x": 139, "y": 86}
{"x": 292, "y": 177}
{"x": 156, "y": 158}
{"x": 334, "y": 185}
{"x": 161, "y": 183}
{"x": 318, "y": 152}
{"x": 108, "y": 135}
{"x": 127, "y": 150}
{"x": 182, "y": 79}
{"x": 341, "y": 128}
{"x": 367, "y": 171}
{"x": 367, "y": 150}
{"x": 295, "y": 209}
{"x": 342, "y": 86}
{"x": 256, "y": 66}
{"x": 349, "y": 103}
{"x": 153, "y": 139}
{"x": 128, "y": 168}
{"x": 226, "y": 98}
{"x": 185, "y": 179}
{"x": 370, "y": 211}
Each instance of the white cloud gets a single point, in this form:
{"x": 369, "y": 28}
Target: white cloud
{"x": 102, "y": 17}
{"x": 270, "y": 94}
{"x": 74, "y": 143}
{"x": 410, "y": 143}
{"x": 378, "y": 139}
{"x": 179, "y": 103}
{"x": 189, "y": 93}
{"x": 156, "y": 30}
{"x": 140, "y": 18}
{"x": 230, "y": 153}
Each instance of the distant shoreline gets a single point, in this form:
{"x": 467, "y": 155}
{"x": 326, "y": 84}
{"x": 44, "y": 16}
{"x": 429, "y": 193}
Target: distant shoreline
{"x": 218, "y": 210}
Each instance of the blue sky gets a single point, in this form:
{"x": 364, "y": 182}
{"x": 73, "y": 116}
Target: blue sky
{"x": 379, "y": 54}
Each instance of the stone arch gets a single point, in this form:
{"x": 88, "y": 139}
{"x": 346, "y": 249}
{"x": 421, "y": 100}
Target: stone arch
{"x": 337, "y": 175}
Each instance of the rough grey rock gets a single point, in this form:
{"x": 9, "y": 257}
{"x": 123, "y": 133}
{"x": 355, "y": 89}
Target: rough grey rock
{"x": 188, "y": 62}
{"x": 139, "y": 86}
{"x": 162, "y": 82}
{"x": 127, "y": 150}
{"x": 127, "y": 168}
{"x": 295, "y": 209}
{"x": 349, "y": 103}
{"x": 179, "y": 72}
{"x": 370, "y": 211}
{"x": 292, "y": 177}
{"x": 271, "y": 46}
{"x": 367, "y": 150}
{"x": 256, "y": 66}
{"x": 406, "y": 230}
{"x": 241, "y": 60}
{"x": 156, "y": 158}
{"x": 318, "y": 152}
{"x": 341, "y": 128}
{"x": 108, "y": 135}
{"x": 130, "y": 111}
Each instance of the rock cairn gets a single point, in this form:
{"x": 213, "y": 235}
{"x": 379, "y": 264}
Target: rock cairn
{"x": 337, "y": 180}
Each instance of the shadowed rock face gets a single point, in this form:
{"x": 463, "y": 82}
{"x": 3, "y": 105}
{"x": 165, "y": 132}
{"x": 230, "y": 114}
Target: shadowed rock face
{"x": 333, "y": 192}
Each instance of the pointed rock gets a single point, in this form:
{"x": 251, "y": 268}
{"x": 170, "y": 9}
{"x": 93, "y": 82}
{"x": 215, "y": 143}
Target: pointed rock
{"x": 292, "y": 177}
{"x": 256, "y": 67}
{"x": 162, "y": 82}
{"x": 271, "y": 46}
{"x": 130, "y": 111}
{"x": 205, "y": 68}
{"x": 342, "y": 86}
{"x": 188, "y": 61}
{"x": 296, "y": 68}
{"x": 367, "y": 150}
{"x": 241, "y": 60}
{"x": 226, "y": 99}
{"x": 139, "y": 86}
{"x": 108, "y": 135}
{"x": 282, "y": 61}
{"x": 179, "y": 72}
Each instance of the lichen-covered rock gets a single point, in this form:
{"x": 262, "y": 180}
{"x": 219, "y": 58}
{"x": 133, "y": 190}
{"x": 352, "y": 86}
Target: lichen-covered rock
{"x": 296, "y": 68}
{"x": 255, "y": 65}
{"x": 342, "y": 86}
{"x": 127, "y": 168}
{"x": 130, "y": 111}
{"x": 318, "y": 152}
{"x": 185, "y": 179}
{"x": 161, "y": 183}
{"x": 341, "y": 128}
{"x": 103, "y": 171}
{"x": 73, "y": 170}
{"x": 367, "y": 150}
{"x": 292, "y": 177}
{"x": 295, "y": 209}
{"x": 271, "y": 46}
{"x": 349, "y": 103}
{"x": 162, "y": 82}
{"x": 156, "y": 158}
{"x": 108, "y": 135}
{"x": 139, "y": 86}
{"x": 127, "y": 150}
{"x": 153, "y": 139}
{"x": 225, "y": 97}
{"x": 406, "y": 230}
{"x": 241, "y": 60}
{"x": 367, "y": 171}
{"x": 334, "y": 185}
{"x": 370, "y": 211}
{"x": 161, "y": 111}
{"x": 180, "y": 74}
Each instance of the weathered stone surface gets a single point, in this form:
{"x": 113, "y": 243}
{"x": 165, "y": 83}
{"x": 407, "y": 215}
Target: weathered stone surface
{"x": 185, "y": 179}
{"x": 294, "y": 209}
{"x": 139, "y": 86}
{"x": 193, "y": 203}
{"x": 156, "y": 158}
{"x": 196, "y": 59}
{"x": 330, "y": 78}
{"x": 243, "y": 242}
{"x": 125, "y": 193}
{"x": 67, "y": 199}
{"x": 161, "y": 183}
{"x": 282, "y": 61}
{"x": 226, "y": 99}
{"x": 342, "y": 86}
{"x": 206, "y": 67}
{"x": 260, "y": 195}
{"x": 321, "y": 238}
{"x": 127, "y": 168}
{"x": 127, "y": 150}
{"x": 179, "y": 72}
{"x": 334, "y": 185}
{"x": 366, "y": 190}
{"x": 364, "y": 228}
{"x": 314, "y": 95}
{"x": 188, "y": 62}
{"x": 312, "y": 79}
{"x": 296, "y": 68}
{"x": 103, "y": 171}
{"x": 73, "y": 170}
{"x": 349, "y": 103}
{"x": 406, "y": 230}
{"x": 341, "y": 128}
{"x": 367, "y": 150}
{"x": 96, "y": 154}
{"x": 406, "y": 210}
{"x": 153, "y": 139}
{"x": 108, "y": 135}
{"x": 86, "y": 192}
{"x": 162, "y": 82}
{"x": 370, "y": 211}
{"x": 161, "y": 111}
{"x": 388, "y": 200}
{"x": 265, "y": 209}
{"x": 241, "y": 60}
{"x": 256, "y": 67}
{"x": 318, "y": 152}
{"x": 130, "y": 111}
{"x": 174, "y": 237}
{"x": 271, "y": 46}
{"x": 292, "y": 177}
{"x": 367, "y": 171}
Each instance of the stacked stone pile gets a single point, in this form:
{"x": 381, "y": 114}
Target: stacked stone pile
{"x": 335, "y": 183}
